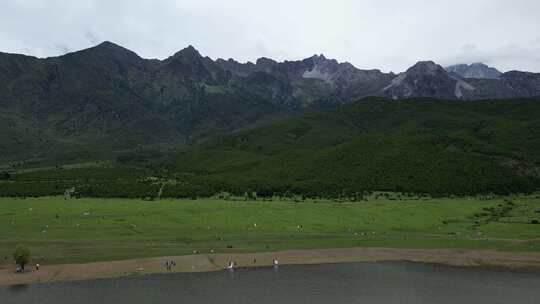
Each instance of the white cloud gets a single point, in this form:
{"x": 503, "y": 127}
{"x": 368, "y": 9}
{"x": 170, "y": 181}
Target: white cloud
{"x": 390, "y": 35}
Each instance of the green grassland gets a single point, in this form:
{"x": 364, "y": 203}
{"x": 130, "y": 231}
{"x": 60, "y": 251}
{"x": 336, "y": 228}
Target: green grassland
{"x": 82, "y": 230}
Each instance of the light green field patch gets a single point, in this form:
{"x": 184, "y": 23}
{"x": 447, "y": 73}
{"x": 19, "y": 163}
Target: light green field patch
{"x": 84, "y": 230}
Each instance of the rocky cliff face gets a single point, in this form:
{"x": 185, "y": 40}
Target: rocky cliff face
{"x": 427, "y": 79}
{"x": 475, "y": 70}
{"x": 312, "y": 81}
{"x": 321, "y": 81}
{"x": 522, "y": 83}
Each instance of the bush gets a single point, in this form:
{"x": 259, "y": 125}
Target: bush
{"x": 21, "y": 256}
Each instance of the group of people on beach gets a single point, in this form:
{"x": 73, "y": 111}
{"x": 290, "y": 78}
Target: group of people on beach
{"x": 20, "y": 268}
{"x": 169, "y": 265}
{"x": 232, "y": 264}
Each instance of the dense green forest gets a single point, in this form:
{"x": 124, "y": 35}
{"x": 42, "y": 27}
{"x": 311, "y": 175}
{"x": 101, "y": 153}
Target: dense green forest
{"x": 415, "y": 146}
{"x": 428, "y": 146}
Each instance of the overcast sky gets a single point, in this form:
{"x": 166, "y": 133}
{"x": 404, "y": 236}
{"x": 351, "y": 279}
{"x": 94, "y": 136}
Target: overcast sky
{"x": 387, "y": 34}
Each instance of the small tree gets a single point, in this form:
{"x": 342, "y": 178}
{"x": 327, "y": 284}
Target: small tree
{"x": 21, "y": 256}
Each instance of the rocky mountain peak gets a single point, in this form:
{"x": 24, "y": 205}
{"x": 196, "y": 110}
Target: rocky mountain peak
{"x": 106, "y": 56}
{"x": 426, "y": 67}
{"x": 190, "y": 64}
{"x": 474, "y": 70}
{"x": 321, "y": 60}
{"x": 189, "y": 52}
{"x": 107, "y": 45}
{"x": 317, "y": 58}
{"x": 427, "y": 79}
{"x": 264, "y": 61}
{"x": 108, "y": 48}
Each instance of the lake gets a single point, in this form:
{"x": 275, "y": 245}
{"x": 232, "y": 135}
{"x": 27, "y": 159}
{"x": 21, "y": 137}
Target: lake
{"x": 331, "y": 283}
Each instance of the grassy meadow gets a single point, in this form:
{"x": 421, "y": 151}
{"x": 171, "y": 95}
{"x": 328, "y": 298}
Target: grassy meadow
{"x": 84, "y": 230}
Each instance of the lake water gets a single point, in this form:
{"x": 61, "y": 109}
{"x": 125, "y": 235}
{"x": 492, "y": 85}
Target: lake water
{"x": 333, "y": 283}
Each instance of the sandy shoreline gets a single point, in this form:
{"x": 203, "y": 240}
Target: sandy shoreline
{"x": 216, "y": 262}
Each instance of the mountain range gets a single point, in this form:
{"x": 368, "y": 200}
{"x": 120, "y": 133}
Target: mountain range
{"x": 110, "y": 99}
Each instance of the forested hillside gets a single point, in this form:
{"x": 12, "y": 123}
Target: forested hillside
{"x": 416, "y": 146}
{"x": 422, "y": 145}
